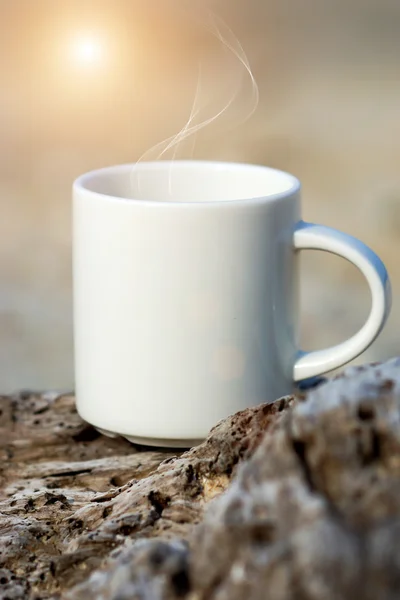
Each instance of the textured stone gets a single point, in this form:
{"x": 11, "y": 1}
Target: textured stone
{"x": 298, "y": 499}
{"x": 314, "y": 514}
{"x": 71, "y": 498}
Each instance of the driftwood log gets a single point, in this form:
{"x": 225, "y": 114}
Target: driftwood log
{"x": 299, "y": 499}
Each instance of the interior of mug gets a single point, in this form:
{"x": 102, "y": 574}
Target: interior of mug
{"x": 188, "y": 181}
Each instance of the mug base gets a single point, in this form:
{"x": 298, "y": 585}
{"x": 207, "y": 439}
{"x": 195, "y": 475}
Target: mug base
{"x": 153, "y": 442}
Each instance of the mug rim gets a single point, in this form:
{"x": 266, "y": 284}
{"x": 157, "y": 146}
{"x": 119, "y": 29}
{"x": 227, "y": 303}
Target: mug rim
{"x": 81, "y": 183}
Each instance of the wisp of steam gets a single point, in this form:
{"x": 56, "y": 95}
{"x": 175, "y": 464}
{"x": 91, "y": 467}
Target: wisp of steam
{"x": 230, "y": 44}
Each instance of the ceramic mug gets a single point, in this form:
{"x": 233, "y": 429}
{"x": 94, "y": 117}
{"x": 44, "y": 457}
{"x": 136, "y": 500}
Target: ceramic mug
{"x": 186, "y": 295}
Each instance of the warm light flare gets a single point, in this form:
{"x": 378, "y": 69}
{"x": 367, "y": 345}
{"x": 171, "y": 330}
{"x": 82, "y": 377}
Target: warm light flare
{"x": 87, "y": 50}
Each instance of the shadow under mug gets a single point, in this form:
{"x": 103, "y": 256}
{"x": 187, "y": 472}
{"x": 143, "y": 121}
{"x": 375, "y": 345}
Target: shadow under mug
{"x": 186, "y": 295}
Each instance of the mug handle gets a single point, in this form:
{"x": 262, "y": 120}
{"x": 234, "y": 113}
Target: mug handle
{"x": 308, "y": 236}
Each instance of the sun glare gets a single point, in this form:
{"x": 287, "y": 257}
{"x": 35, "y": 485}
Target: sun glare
{"x": 87, "y": 50}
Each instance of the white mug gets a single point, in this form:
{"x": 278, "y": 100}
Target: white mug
{"x": 186, "y": 295}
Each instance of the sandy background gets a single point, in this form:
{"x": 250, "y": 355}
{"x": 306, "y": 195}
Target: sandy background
{"x": 329, "y": 111}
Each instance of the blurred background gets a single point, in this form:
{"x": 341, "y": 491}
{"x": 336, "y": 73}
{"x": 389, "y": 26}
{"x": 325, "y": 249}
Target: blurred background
{"x": 90, "y": 83}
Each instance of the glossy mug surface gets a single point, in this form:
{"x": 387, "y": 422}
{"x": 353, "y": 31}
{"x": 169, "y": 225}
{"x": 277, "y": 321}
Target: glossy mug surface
{"x": 186, "y": 295}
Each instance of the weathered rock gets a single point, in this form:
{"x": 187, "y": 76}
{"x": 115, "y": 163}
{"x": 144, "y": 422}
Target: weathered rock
{"x": 70, "y": 498}
{"x": 309, "y": 508}
{"x": 315, "y": 513}
{"x": 312, "y": 515}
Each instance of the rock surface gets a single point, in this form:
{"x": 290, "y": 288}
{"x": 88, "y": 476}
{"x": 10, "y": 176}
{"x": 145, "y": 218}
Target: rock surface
{"x": 71, "y": 498}
{"x": 298, "y": 499}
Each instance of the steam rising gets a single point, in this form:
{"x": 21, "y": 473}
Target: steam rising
{"x": 231, "y": 45}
